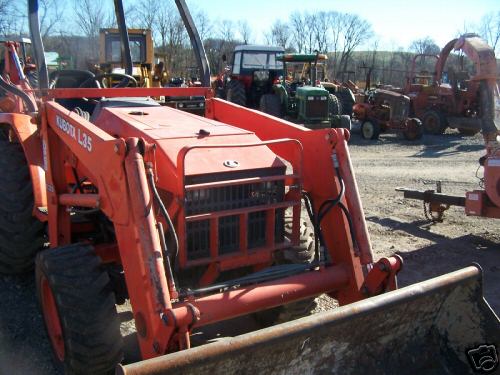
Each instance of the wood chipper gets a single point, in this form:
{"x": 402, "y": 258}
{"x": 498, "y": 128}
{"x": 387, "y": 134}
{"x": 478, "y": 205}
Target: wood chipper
{"x": 198, "y": 220}
{"x": 483, "y": 202}
{"x": 454, "y": 105}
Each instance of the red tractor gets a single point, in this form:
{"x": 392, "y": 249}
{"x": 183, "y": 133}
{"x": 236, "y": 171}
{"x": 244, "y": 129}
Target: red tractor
{"x": 455, "y": 104}
{"x": 385, "y": 111}
{"x": 253, "y": 72}
{"x": 197, "y": 220}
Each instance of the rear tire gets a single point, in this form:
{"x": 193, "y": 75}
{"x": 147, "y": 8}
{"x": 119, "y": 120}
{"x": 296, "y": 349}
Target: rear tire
{"x": 270, "y": 104}
{"x": 21, "y": 234}
{"x": 301, "y": 254}
{"x": 347, "y": 100}
{"x": 434, "y": 122}
{"x": 79, "y": 310}
{"x": 236, "y": 92}
{"x": 370, "y": 129}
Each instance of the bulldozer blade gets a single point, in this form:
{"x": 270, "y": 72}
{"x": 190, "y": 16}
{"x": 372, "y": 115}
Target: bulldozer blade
{"x": 439, "y": 326}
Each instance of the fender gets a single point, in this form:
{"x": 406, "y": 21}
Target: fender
{"x": 29, "y": 137}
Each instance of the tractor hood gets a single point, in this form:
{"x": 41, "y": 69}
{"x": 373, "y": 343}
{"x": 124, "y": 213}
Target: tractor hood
{"x": 304, "y": 92}
{"x": 183, "y": 136}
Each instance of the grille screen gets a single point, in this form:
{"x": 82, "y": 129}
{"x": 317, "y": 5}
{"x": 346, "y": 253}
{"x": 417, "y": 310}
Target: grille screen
{"x": 230, "y": 198}
{"x": 317, "y": 107}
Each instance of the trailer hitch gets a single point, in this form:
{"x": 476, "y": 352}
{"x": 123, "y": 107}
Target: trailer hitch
{"x": 435, "y": 202}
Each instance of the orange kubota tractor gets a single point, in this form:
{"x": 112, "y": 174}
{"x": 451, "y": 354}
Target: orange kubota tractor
{"x": 198, "y": 220}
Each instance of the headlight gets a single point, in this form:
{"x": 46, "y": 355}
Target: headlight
{"x": 180, "y": 105}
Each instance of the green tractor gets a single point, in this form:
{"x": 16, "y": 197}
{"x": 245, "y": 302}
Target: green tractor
{"x": 299, "y": 98}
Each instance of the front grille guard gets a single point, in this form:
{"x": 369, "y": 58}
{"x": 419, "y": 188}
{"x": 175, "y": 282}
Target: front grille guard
{"x": 316, "y": 109}
{"x": 245, "y": 256}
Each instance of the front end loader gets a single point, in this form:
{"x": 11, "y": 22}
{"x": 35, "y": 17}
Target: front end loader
{"x": 199, "y": 220}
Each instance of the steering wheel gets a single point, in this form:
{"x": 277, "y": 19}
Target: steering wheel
{"x": 125, "y": 80}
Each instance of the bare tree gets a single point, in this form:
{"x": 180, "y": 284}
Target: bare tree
{"x": 490, "y": 30}
{"x": 356, "y": 31}
{"x": 279, "y": 34}
{"x": 298, "y": 29}
{"x": 335, "y": 28}
{"x": 146, "y": 12}
{"x": 244, "y": 31}
{"x": 226, "y": 30}
{"x": 203, "y": 24}
{"x": 320, "y": 27}
{"x": 425, "y": 46}
{"x": 51, "y": 16}
{"x": 90, "y": 17}
{"x": 10, "y": 18}
{"x": 310, "y": 24}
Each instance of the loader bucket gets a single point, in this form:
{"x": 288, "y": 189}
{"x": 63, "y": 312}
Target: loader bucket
{"x": 433, "y": 327}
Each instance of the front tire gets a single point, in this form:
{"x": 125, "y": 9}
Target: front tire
{"x": 79, "y": 310}
{"x": 414, "y": 130}
{"x": 300, "y": 254}
{"x": 335, "y": 107}
{"x": 370, "y": 129}
{"x": 21, "y": 234}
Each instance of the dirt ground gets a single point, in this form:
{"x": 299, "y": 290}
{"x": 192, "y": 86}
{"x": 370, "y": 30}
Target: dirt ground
{"x": 396, "y": 225}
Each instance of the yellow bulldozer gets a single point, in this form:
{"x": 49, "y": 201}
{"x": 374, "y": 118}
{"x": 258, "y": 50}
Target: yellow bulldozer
{"x": 144, "y": 71}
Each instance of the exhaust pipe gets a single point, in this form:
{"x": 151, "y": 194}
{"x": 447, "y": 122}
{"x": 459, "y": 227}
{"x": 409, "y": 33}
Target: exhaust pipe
{"x": 37, "y": 43}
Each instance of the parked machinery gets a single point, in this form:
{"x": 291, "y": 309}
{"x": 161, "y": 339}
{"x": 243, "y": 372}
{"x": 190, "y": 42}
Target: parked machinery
{"x": 298, "y": 97}
{"x": 484, "y": 202}
{"x": 253, "y": 71}
{"x": 141, "y": 50}
{"x": 384, "y": 111}
{"x": 198, "y": 220}
{"x": 454, "y": 105}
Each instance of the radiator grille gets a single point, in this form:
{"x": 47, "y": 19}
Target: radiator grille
{"x": 230, "y": 198}
{"x": 316, "y": 108}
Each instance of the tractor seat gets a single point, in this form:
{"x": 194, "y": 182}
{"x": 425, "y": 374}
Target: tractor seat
{"x": 73, "y": 79}
{"x": 122, "y": 102}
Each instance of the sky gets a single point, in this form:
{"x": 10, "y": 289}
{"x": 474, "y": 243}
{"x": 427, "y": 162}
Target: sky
{"x": 395, "y": 22}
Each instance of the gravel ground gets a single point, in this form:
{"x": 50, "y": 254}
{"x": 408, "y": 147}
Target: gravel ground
{"x": 396, "y": 225}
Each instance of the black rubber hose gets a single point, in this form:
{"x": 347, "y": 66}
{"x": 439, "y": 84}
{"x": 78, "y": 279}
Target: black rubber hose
{"x": 269, "y": 274}
{"x": 4, "y": 85}
{"x": 349, "y": 220}
{"x": 164, "y": 212}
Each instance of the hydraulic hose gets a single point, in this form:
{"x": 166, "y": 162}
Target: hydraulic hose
{"x": 164, "y": 212}
{"x": 4, "y": 85}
